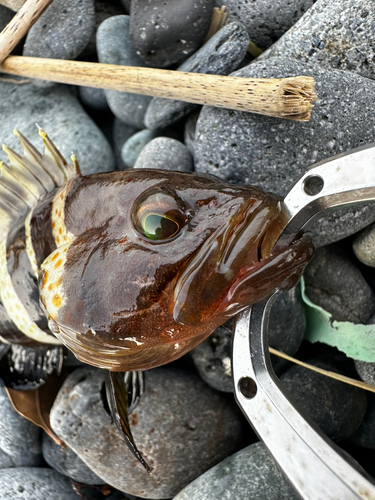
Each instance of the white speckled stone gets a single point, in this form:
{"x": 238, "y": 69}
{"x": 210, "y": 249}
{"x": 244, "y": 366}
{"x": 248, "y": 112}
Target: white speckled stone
{"x": 166, "y": 154}
{"x": 61, "y": 115}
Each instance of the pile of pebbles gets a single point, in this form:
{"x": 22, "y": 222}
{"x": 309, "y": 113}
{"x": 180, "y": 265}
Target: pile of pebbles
{"x": 187, "y": 424}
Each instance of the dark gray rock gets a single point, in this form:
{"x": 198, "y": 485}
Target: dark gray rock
{"x": 364, "y": 246}
{"x": 336, "y": 284}
{"x": 164, "y": 33}
{"x": 338, "y": 35}
{"x": 114, "y": 47}
{"x": 62, "y": 31}
{"x": 220, "y": 55}
{"x": 249, "y": 474}
{"x": 266, "y": 20}
{"x": 61, "y": 115}
{"x": 166, "y": 154}
{"x": 337, "y": 408}
{"x": 365, "y": 434}
{"x": 6, "y": 15}
{"x": 19, "y": 438}
{"x": 286, "y": 330}
{"x": 134, "y": 145}
{"x": 181, "y": 426}
{"x": 68, "y": 463}
{"x": 30, "y": 483}
{"x": 253, "y": 149}
{"x": 93, "y": 98}
{"x": 120, "y": 134}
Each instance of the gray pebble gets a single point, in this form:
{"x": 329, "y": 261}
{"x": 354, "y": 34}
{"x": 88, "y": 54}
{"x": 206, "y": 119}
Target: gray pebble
{"x": 337, "y": 408}
{"x": 93, "y": 98}
{"x": 164, "y": 33}
{"x": 366, "y": 371}
{"x": 68, "y": 463}
{"x": 19, "y": 438}
{"x": 181, "y": 426}
{"x": 62, "y": 31}
{"x": 266, "y": 20}
{"x": 114, "y": 47}
{"x": 6, "y": 15}
{"x": 134, "y": 145}
{"x": 364, "y": 246}
{"x": 29, "y": 483}
{"x": 336, "y": 284}
{"x": 121, "y": 133}
{"x": 220, "y": 55}
{"x": 166, "y": 154}
{"x": 286, "y": 330}
{"x": 332, "y": 34}
{"x": 60, "y": 114}
{"x": 253, "y": 149}
{"x": 250, "y": 473}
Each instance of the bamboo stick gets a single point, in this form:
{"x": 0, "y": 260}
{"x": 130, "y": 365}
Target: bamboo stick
{"x": 12, "y": 4}
{"x": 20, "y": 24}
{"x": 284, "y": 98}
{"x": 327, "y": 373}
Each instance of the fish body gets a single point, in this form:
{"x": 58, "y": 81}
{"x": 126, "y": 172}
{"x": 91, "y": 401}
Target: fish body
{"x": 135, "y": 268}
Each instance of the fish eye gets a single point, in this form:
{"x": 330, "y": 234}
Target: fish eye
{"x": 158, "y": 217}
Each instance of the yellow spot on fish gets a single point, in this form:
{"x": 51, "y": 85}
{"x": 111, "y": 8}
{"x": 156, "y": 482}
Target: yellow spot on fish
{"x": 58, "y": 264}
{"x": 56, "y": 255}
{"x": 56, "y": 300}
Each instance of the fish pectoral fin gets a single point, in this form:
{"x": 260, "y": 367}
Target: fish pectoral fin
{"x": 117, "y": 395}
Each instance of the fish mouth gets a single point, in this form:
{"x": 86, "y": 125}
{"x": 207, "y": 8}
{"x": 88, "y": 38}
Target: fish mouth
{"x": 245, "y": 241}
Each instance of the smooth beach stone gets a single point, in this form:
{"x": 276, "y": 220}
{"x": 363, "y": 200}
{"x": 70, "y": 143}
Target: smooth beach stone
{"x": 251, "y": 473}
{"x": 333, "y": 282}
{"x": 286, "y": 330}
{"x": 247, "y": 148}
{"x": 62, "y": 31}
{"x": 134, "y": 145}
{"x": 189, "y": 130}
{"x": 338, "y": 35}
{"x": 6, "y": 15}
{"x": 93, "y": 98}
{"x": 365, "y": 434}
{"x": 61, "y": 115}
{"x": 19, "y": 438}
{"x": 265, "y": 20}
{"x": 364, "y": 246}
{"x": 181, "y": 426}
{"x": 31, "y": 483}
{"x": 68, "y": 463}
{"x": 337, "y": 408}
{"x": 114, "y": 47}
{"x": 220, "y": 55}
{"x": 164, "y": 33}
{"x": 166, "y": 154}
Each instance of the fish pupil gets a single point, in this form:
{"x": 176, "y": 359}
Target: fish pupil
{"x": 159, "y": 227}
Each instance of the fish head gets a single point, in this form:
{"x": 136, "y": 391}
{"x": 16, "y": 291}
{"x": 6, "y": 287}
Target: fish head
{"x": 148, "y": 263}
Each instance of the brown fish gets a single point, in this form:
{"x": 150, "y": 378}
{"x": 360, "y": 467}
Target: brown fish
{"x": 137, "y": 267}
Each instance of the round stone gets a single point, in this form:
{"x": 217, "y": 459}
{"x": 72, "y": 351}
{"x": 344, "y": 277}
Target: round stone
{"x": 166, "y": 154}
{"x": 181, "y": 426}
{"x": 114, "y": 47}
{"x": 272, "y": 152}
{"x": 164, "y": 33}
{"x": 364, "y": 246}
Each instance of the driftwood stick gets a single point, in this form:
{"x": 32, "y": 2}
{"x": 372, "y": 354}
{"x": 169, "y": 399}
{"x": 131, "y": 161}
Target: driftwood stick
{"x": 284, "y": 98}
{"x": 20, "y": 24}
{"x": 14, "y": 5}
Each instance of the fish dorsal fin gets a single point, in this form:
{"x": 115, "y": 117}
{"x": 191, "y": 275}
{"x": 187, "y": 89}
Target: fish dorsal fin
{"x": 29, "y": 178}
